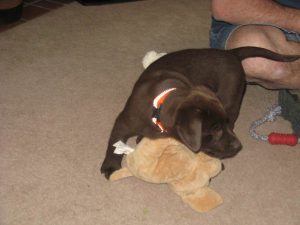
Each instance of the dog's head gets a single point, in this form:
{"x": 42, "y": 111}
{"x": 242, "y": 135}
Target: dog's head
{"x": 202, "y": 124}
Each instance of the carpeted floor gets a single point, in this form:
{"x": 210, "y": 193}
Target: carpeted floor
{"x": 64, "y": 78}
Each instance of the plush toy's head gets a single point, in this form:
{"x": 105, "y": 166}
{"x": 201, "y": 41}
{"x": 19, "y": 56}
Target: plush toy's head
{"x": 168, "y": 161}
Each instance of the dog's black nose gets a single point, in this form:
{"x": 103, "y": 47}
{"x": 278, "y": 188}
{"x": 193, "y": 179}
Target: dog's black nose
{"x": 235, "y": 145}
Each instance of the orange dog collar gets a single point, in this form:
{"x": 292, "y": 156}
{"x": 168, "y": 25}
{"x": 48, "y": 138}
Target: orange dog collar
{"x": 157, "y": 104}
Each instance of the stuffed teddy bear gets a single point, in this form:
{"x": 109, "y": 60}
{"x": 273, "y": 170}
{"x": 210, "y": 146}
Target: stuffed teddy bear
{"x": 166, "y": 160}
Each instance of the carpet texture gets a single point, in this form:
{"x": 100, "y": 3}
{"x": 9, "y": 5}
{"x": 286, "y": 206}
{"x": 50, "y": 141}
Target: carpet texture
{"x": 64, "y": 78}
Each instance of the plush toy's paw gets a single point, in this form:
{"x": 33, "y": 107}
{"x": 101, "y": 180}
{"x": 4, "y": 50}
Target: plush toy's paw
{"x": 119, "y": 174}
{"x": 203, "y": 200}
{"x": 150, "y": 57}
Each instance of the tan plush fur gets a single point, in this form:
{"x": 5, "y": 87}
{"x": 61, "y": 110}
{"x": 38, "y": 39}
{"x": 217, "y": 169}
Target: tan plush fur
{"x": 168, "y": 161}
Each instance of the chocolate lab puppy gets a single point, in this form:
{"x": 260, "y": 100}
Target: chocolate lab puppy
{"x": 192, "y": 95}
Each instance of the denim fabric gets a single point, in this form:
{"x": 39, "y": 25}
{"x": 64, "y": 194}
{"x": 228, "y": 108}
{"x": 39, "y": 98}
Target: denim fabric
{"x": 220, "y": 31}
{"x": 290, "y": 3}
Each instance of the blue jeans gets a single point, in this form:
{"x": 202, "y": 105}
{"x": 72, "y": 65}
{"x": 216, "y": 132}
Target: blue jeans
{"x": 220, "y": 32}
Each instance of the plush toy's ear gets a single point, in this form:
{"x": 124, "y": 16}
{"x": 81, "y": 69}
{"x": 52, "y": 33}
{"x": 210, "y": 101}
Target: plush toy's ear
{"x": 189, "y": 128}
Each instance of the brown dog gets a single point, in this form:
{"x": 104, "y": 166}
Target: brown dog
{"x": 192, "y": 95}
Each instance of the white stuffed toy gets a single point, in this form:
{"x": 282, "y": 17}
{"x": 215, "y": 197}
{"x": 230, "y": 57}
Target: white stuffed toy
{"x": 150, "y": 57}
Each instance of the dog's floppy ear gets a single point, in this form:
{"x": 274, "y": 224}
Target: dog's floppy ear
{"x": 189, "y": 128}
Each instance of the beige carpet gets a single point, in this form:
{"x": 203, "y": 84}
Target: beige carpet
{"x": 64, "y": 78}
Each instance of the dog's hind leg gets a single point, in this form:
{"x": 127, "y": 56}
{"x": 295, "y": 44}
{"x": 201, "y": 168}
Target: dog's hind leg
{"x": 232, "y": 97}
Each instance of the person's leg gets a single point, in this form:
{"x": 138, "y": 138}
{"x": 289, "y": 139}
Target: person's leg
{"x": 268, "y": 73}
{"x": 10, "y": 10}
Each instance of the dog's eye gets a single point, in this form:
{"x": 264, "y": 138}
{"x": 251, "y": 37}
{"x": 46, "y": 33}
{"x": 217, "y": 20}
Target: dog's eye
{"x": 216, "y": 127}
{"x": 206, "y": 139}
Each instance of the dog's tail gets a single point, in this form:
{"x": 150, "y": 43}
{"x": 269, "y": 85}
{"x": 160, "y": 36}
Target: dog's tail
{"x": 247, "y": 52}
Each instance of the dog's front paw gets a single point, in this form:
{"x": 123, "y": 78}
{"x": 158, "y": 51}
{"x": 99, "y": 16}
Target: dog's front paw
{"x": 108, "y": 168}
